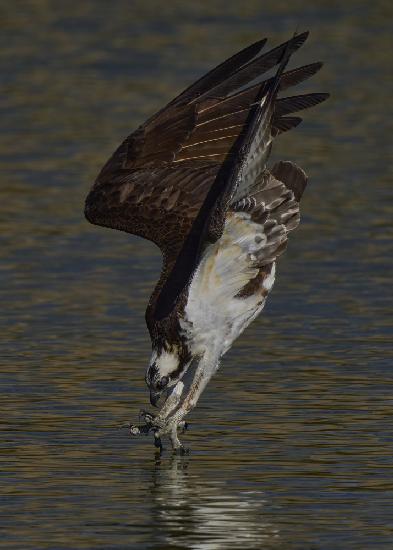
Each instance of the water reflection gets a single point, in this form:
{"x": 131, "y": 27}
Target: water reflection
{"x": 206, "y": 514}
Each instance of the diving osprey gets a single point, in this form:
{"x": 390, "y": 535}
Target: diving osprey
{"x": 193, "y": 179}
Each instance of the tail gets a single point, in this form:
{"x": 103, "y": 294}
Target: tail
{"x": 256, "y": 141}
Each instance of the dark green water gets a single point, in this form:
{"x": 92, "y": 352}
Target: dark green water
{"x": 292, "y": 442}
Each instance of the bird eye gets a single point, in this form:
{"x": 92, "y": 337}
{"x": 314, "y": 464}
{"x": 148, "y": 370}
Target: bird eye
{"x": 163, "y": 382}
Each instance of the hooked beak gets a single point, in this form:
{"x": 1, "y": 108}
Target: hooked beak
{"x": 154, "y": 397}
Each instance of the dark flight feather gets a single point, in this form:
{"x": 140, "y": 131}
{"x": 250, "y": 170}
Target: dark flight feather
{"x": 288, "y": 105}
{"x": 283, "y": 124}
{"x": 220, "y": 73}
{"x": 255, "y": 68}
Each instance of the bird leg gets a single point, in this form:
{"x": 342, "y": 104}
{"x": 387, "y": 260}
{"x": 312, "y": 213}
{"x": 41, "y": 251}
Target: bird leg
{"x": 171, "y": 402}
{"x": 153, "y": 423}
{"x": 168, "y": 423}
{"x": 179, "y": 403}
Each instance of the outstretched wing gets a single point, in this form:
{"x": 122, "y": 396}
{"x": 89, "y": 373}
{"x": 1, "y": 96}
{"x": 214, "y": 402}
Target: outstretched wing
{"x": 141, "y": 190}
{"x": 165, "y": 179}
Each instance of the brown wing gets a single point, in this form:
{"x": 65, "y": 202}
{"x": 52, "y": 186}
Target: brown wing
{"x": 158, "y": 184}
{"x": 140, "y": 190}
{"x": 158, "y": 203}
{"x": 157, "y": 180}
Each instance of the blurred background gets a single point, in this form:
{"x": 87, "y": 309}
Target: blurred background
{"x": 291, "y": 444}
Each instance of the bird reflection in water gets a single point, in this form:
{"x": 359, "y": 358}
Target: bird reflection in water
{"x": 205, "y": 514}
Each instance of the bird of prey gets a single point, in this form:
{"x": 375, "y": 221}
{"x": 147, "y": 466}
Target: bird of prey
{"x": 194, "y": 180}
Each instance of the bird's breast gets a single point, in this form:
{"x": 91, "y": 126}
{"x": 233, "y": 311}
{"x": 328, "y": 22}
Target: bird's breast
{"x": 217, "y": 309}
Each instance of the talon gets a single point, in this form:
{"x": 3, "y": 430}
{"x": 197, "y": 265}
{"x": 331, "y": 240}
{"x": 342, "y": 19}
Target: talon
{"x": 158, "y": 442}
{"x": 140, "y": 430}
{"x": 134, "y": 430}
{"x": 124, "y": 425}
{"x": 183, "y": 426}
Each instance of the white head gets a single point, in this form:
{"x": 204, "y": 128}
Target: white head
{"x": 166, "y": 368}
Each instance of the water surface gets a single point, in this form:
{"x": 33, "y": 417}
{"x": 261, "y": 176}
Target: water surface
{"x": 292, "y": 441}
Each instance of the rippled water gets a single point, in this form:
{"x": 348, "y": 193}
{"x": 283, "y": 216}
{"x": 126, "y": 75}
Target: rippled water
{"x": 292, "y": 441}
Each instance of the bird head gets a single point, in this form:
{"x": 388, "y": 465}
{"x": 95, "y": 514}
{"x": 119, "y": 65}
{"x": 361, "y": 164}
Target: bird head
{"x": 166, "y": 368}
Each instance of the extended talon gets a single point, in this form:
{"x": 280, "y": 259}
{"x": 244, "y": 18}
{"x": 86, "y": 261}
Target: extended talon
{"x": 135, "y": 430}
{"x": 159, "y": 427}
{"x": 183, "y": 426}
{"x": 124, "y": 425}
{"x": 140, "y": 430}
{"x": 158, "y": 442}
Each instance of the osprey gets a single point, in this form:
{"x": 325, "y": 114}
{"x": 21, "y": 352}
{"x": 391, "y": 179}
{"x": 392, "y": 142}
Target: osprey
{"x": 194, "y": 180}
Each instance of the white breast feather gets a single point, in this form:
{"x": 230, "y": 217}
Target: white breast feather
{"x": 214, "y": 316}
{"x": 166, "y": 362}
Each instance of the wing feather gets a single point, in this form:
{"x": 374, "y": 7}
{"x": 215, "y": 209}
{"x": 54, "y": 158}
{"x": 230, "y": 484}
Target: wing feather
{"x": 169, "y": 180}
{"x": 125, "y": 202}
{"x": 255, "y": 68}
{"x": 220, "y": 73}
